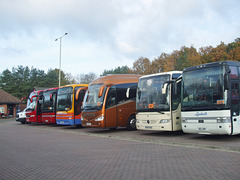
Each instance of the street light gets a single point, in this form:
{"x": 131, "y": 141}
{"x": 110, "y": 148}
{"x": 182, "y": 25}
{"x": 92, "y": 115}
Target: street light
{"x": 60, "y": 57}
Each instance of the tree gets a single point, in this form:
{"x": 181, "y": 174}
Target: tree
{"x": 158, "y": 64}
{"x": 205, "y": 55}
{"x": 69, "y": 78}
{"x": 234, "y": 54}
{"x": 219, "y": 53}
{"x": 193, "y": 57}
{"x": 22, "y": 80}
{"x": 118, "y": 70}
{"x": 6, "y": 79}
{"x": 17, "y": 82}
{"x": 52, "y": 78}
{"x": 86, "y": 78}
{"x": 170, "y": 62}
{"x": 37, "y": 78}
{"x": 142, "y": 66}
{"x": 233, "y": 50}
{"x": 182, "y": 59}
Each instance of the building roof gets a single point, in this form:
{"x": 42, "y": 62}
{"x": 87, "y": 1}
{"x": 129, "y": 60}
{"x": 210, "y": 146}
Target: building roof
{"x": 6, "y": 98}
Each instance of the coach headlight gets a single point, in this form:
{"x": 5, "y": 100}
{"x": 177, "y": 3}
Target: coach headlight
{"x": 223, "y": 120}
{"x": 100, "y": 118}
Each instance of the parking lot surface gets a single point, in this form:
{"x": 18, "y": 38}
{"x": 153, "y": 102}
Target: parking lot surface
{"x": 35, "y": 151}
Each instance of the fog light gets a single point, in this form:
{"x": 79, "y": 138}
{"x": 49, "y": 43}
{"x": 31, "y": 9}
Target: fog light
{"x": 165, "y": 121}
{"x": 184, "y": 120}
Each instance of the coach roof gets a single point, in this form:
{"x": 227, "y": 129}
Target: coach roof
{"x": 117, "y": 79}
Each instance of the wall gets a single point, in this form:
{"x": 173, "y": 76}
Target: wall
{"x": 5, "y": 107}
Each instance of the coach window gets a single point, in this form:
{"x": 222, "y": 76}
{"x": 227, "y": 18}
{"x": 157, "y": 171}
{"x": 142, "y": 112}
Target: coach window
{"x": 111, "y": 97}
{"x": 121, "y": 93}
{"x": 78, "y": 102}
{"x": 235, "y": 98}
{"x": 133, "y": 92}
{"x": 234, "y": 72}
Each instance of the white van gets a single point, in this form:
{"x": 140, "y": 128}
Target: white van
{"x": 21, "y": 116}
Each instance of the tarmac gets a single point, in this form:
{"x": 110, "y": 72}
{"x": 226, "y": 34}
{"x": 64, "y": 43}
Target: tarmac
{"x": 52, "y": 152}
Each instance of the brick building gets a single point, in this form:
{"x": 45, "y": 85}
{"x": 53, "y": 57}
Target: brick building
{"x": 8, "y": 104}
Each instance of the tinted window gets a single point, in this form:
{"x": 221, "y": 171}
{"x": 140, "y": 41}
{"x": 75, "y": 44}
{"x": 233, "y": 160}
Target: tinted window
{"x": 235, "y": 98}
{"x": 234, "y": 72}
{"x": 175, "y": 76}
{"x": 122, "y": 90}
{"x": 176, "y": 95}
{"x": 78, "y": 102}
{"x": 64, "y": 99}
{"x": 111, "y": 97}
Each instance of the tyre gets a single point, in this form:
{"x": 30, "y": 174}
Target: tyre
{"x": 131, "y": 123}
{"x": 23, "y": 121}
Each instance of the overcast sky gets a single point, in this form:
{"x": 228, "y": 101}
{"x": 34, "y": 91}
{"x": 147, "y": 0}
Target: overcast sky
{"x": 105, "y": 34}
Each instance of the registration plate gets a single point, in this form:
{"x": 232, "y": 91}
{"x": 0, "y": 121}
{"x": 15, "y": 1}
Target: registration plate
{"x": 88, "y": 124}
{"x": 202, "y": 129}
{"x": 148, "y": 127}
{"x": 61, "y": 122}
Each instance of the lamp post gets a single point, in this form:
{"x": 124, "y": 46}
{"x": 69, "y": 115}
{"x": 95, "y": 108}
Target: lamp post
{"x": 60, "y": 38}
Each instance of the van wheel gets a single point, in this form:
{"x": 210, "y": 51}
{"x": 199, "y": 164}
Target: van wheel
{"x": 23, "y": 121}
{"x": 131, "y": 124}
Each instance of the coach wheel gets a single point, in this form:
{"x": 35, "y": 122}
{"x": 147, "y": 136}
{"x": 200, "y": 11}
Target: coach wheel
{"x": 131, "y": 124}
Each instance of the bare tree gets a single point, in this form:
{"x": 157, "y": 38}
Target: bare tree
{"x": 85, "y": 78}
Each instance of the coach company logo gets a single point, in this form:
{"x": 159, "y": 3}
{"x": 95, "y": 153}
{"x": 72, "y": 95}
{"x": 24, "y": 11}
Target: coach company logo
{"x": 201, "y": 114}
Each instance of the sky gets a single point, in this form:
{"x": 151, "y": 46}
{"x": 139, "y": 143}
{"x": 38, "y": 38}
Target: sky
{"x": 106, "y": 34}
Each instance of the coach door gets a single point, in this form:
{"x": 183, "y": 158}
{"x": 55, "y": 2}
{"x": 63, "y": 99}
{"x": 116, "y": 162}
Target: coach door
{"x": 79, "y": 93}
{"x": 111, "y": 108}
{"x": 39, "y": 108}
{"x": 235, "y": 107}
